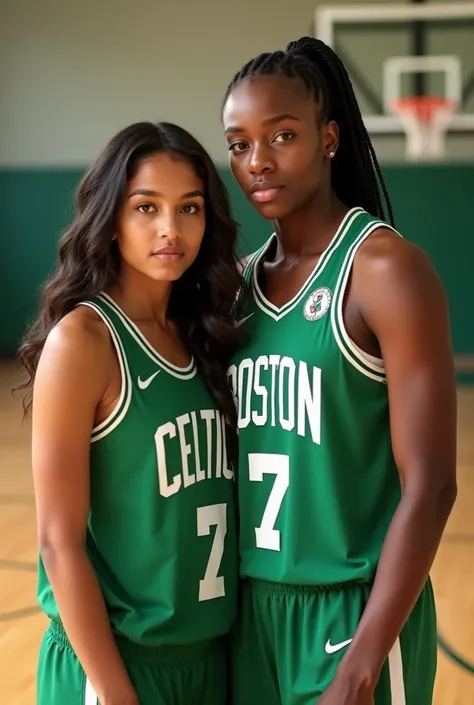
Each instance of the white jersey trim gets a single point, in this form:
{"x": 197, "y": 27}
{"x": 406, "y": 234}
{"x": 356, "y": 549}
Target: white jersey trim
{"x": 377, "y": 361}
{"x": 278, "y": 313}
{"x": 120, "y": 409}
{"x": 180, "y": 372}
{"x": 248, "y": 270}
{"x": 370, "y": 367}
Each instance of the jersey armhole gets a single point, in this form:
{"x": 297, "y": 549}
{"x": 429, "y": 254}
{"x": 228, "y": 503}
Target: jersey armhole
{"x": 120, "y": 409}
{"x": 353, "y": 354}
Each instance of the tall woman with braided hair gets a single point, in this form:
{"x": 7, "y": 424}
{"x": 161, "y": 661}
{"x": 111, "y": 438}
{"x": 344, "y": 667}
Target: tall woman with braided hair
{"x": 346, "y": 399}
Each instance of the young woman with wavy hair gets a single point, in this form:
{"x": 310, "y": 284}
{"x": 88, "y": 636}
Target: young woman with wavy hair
{"x": 134, "y": 431}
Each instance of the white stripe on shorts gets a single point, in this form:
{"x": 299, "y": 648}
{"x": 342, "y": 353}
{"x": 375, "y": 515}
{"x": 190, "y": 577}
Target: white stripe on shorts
{"x": 397, "y": 684}
{"x": 90, "y": 697}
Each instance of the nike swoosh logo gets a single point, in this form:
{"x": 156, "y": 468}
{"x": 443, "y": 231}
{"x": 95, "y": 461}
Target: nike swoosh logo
{"x": 242, "y": 320}
{"x": 332, "y": 648}
{"x": 144, "y": 383}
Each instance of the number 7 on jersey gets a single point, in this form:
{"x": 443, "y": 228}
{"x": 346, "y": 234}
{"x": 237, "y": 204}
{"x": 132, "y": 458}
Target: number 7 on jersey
{"x": 261, "y": 464}
{"x": 212, "y": 585}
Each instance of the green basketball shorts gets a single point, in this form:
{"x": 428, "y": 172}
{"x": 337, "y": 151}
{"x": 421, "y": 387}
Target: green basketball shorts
{"x": 289, "y": 640}
{"x": 169, "y": 675}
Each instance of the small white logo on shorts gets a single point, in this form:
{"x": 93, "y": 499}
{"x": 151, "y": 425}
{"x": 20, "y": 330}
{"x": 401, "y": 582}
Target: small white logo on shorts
{"x": 332, "y": 648}
{"x": 317, "y": 304}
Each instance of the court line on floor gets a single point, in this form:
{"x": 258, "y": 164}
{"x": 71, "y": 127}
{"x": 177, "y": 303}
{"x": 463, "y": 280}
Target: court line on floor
{"x": 19, "y": 614}
{"x": 453, "y": 655}
{"x": 23, "y": 566}
{"x": 23, "y": 499}
{"x": 443, "y": 645}
{"x": 458, "y": 538}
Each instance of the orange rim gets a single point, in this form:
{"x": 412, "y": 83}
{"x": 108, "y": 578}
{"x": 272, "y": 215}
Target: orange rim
{"x": 423, "y": 107}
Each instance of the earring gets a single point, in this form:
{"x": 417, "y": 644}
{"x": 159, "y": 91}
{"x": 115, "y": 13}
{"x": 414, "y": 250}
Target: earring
{"x": 332, "y": 154}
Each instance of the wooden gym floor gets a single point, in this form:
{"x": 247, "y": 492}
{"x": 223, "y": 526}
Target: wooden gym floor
{"x": 22, "y": 625}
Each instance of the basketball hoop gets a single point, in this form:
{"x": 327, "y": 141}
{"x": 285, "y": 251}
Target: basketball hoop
{"x": 425, "y": 120}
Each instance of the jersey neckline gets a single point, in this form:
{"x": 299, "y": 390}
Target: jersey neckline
{"x": 276, "y": 312}
{"x": 182, "y": 372}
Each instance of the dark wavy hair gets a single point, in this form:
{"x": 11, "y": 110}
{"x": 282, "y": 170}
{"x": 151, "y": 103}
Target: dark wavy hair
{"x": 203, "y": 302}
{"x": 355, "y": 173}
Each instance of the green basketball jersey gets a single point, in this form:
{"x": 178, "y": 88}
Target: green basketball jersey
{"x": 162, "y": 527}
{"x": 318, "y": 484}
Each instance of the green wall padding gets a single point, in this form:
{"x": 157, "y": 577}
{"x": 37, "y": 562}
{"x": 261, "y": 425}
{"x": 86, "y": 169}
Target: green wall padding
{"x": 432, "y": 207}
{"x": 34, "y": 208}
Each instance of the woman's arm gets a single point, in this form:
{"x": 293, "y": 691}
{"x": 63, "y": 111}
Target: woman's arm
{"x": 72, "y": 377}
{"x": 402, "y": 302}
